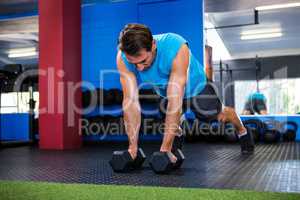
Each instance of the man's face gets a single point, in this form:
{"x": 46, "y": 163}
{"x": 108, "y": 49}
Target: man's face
{"x": 143, "y": 60}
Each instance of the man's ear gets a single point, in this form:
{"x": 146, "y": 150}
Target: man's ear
{"x": 153, "y": 45}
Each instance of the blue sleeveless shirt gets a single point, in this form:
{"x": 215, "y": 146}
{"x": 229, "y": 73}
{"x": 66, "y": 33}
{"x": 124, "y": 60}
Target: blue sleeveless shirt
{"x": 157, "y": 75}
{"x": 257, "y": 96}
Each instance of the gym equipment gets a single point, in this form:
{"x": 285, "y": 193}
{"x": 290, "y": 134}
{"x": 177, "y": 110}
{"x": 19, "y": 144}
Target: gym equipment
{"x": 230, "y": 135}
{"x": 158, "y": 126}
{"x": 147, "y": 126}
{"x": 31, "y": 103}
{"x": 160, "y": 162}
{"x": 178, "y": 145}
{"x": 100, "y": 97}
{"x": 122, "y": 161}
{"x": 271, "y": 131}
{"x": 114, "y": 96}
{"x": 216, "y": 131}
{"x": 92, "y": 98}
{"x": 104, "y": 97}
{"x": 148, "y": 96}
{"x": 289, "y": 130}
{"x": 247, "y": 142}
{"x": 202, "y": 130}
{"x": 188, "y": 130}
{"x": 256, "y": 127}
{"x": 86, "y": 98}
{"x": 229, "y": 70}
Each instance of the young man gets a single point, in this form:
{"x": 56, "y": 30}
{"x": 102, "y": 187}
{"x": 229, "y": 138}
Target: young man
{"x": 166, "y": 62}
{"x": 256, "y": 103}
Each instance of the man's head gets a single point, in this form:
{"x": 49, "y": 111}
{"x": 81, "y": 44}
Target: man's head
{"x": 136, "y": 41}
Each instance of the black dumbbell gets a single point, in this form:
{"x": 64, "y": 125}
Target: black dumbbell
{"x": 271, "y": 131}
{"x": 178, "y": 145}
{"x": 256, "y": 126}
{"x": 230, "y": 135}
{"x": 289, "y": 130}
{"x": 160, "y": 162}
{"x": 122, "y": 161}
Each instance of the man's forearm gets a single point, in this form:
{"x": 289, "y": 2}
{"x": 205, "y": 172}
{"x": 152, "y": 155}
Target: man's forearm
{"x": 172, "y": 121}
{"x": 132, "y": 120}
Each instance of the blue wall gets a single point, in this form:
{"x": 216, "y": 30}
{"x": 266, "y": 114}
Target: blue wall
{"x": 102, "y": 22}
{"x": 184, "y": 17}
{"x": 14, "y": 127}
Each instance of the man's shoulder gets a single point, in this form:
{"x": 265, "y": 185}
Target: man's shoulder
{"x": 168, "y": 35}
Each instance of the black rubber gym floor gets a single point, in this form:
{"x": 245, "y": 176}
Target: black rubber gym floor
{"x": 272, "y": 168}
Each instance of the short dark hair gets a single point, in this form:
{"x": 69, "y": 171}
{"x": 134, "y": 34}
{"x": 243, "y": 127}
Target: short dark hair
{"x": 135, "y": 37}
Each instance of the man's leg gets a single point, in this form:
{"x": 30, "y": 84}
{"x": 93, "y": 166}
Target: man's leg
{"x": 208, "y": 105}
{"x": 228, "y": 114}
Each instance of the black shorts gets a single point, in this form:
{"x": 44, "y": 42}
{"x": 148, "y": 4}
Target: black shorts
{"x": 206, "y": 105}
{"x": 255, "y": 106}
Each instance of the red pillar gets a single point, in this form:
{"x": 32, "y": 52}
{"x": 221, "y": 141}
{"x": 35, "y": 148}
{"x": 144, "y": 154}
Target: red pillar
{"x": 60, "y": 70}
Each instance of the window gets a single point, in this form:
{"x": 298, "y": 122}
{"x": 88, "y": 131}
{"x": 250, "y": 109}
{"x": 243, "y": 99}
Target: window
{"x": 282, "y": 96}
{"x": 17, "y": 102}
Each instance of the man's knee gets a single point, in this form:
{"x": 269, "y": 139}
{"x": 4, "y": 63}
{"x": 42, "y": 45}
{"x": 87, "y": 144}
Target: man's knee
{"x": 226, "y": 115}
{"x": 228, "y": 110}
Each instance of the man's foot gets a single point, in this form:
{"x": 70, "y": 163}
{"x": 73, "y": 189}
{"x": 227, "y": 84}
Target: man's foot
{"x": 247, "y": 142}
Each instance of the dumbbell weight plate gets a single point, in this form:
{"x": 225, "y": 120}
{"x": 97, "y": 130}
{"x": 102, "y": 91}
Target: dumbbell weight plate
{"x": 180, "y": 159}
{"x": 121, "y": 161}
{"x": 160, "y": 162}
{"x": 138, "y": 162}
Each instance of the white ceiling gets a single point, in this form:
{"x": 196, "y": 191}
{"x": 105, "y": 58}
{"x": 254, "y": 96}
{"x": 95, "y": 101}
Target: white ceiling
{"x": 19, "y": 33}
{"x": 287, "y": 20}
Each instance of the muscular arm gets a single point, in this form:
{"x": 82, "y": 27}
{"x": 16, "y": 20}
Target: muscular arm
{"x": 131, "y": 105}
{"x": 175, "y": 94}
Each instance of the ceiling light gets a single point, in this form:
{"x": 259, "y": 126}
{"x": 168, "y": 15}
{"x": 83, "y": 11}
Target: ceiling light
{"x": 25, "y": 54}
{"x": 278, "y": 6}
{"x": 261, "y": 36}
{"x": 261, "y": 31}
{"x": 21, "y": 50}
